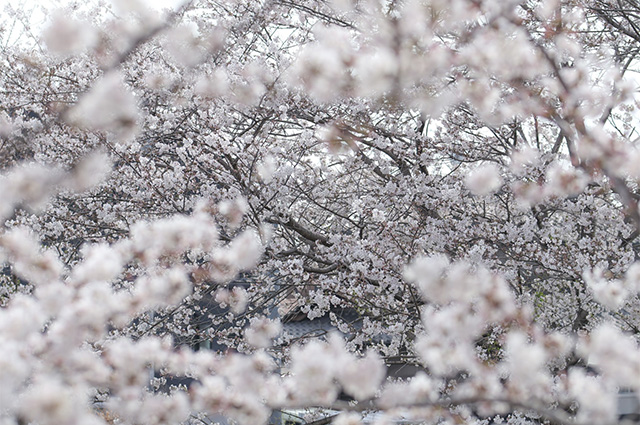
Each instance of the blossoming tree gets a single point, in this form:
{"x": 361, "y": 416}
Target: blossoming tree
{"x": 461, "y": 174}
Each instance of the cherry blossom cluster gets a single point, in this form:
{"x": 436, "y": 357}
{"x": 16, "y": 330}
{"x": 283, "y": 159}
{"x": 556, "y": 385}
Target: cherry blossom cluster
{"x": 452, "y": 183}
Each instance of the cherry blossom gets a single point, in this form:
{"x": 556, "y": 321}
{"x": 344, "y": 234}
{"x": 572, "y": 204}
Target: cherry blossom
{"x": 449, "y": 186}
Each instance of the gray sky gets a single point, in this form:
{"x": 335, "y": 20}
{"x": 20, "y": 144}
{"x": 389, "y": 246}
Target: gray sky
{"x": 37, "y": 17}
{"x": 34, "y": 7}
{"x": 152, "y": 3}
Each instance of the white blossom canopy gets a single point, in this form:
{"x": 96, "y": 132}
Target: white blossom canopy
{"x": 461, "y": 176}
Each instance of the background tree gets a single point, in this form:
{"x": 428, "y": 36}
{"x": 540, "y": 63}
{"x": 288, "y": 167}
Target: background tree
{"x": 338, "y": 142}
